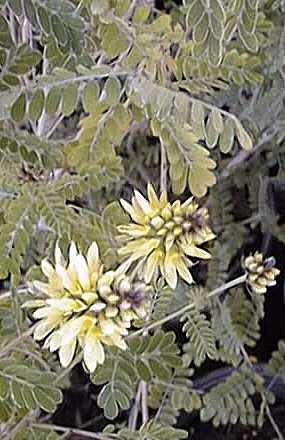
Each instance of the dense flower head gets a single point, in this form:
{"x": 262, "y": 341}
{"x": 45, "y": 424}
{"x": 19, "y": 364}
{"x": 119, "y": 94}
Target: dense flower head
{"x": 85, "y": 306}
{"x": 261, "y": 272}
{"x": 164, "y": 235}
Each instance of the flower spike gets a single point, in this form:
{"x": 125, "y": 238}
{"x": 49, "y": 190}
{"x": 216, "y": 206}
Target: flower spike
{"x": 85, "y": 308}
{"x": 163, "y": 236}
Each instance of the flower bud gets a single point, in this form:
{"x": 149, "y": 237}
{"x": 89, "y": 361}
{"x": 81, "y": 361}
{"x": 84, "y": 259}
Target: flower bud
{"x": 261, "y": 272}
{"x": 157, "y": 222}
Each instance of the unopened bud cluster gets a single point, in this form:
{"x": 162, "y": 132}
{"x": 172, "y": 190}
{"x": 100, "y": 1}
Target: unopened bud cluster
{"x": 261, "y": 272}
{"x": 125, "y": 300}
{"x": 85, "y": 307}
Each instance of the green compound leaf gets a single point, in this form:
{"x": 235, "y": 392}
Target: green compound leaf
{"x": 36, "y": 105}
{"x": 18, "y": 109}
{"x": 147, "y": 357}
{"x": 30, "y": 387}
{"x": 153, "y": 431}
{"x": 201, "y": 337}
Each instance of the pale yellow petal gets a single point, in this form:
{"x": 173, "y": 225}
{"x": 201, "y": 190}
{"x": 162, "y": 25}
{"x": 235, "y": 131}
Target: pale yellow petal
{"x": 54, "y": 341}
{"x": 61, "y": 304}
{"x": 107, "y": 326}
{"x": 93, "y": 257}
{"x": 187, "y": 203}
{"x": 163, "y": 199}
{"x": 59, "y": 260}
{"x": 42, "y": 329}
{"x": 140, "y": 247}
{"x": 99, "y": 352}
{"x": 134, "y": 230}
{"x": 71, "y": 329}
{"x": 143, "y": 203}
{"x": 34, "y": 303}
{"x": 184, "y": 271}
{"x": 135, "y": 214}
{"x": 154, "y": 202}
{"x": 47, "y": 269}
{"x": 124, "y": 267}
{"x": 66, "y": 279}
{"x": 139, "y": 211}
{"x": 42, "y": 312}
{"x": 66, "y": 353}
{"x": 169, "y": 271}
{"x": 107, "y": 278}
{"x": 206, "y": 235}
{"x": 93, "y": 351}
{"x": 41, "y": 287}
{"x": 118, "y": 341}
{"x": 169, "y": 241}
{"x": 97, "y": 307}
{"x": 89, "y": 297}
{"x": 151, "y": 265}
{"x": 72, "y": 251}
{"x": 82, "y": 272}
{"x": 193, "y": 251}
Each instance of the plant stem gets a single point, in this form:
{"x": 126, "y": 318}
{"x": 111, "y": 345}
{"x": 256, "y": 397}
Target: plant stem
{"x": 243, "y": 155}
{"x": 17, "y": 340}
{"x": 273, "y": 423}
{"x": 22, "y": 424}
{"x": 79, "y": 432}
{"x": 264, "y": 402}
{"x": 163, "y": 168}
{"x": 8, "y": 293}
{"x": 144, "y": 402}
{"x": 135, "y": 409}
{"x": 190, "y": 306}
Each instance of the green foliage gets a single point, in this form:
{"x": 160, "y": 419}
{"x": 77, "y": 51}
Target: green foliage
{"x": 201, "y": 337}
{"x": 148, "y": 357}
{"x": 120, "y": 376}
{"x": 28, "y": 387}
{"x": 99, "y": 98}
{"x": 243, "y": 16}
{"x": 231, "y": 233}
{"x": 231, "y": 401}
{"x": 276, "y": 365}
{"x": 36, "y": 433}
{"x": 189, "y": 162}
{"x": 236, "y": 322}
{"x": 166, "y": 109}
{"x": 207, "y": 21}
{"x": 153, "y": 431}
{"x": 169, "y": 398}
{"x": 237, "y": 67}
{"x": 15, "y": 61}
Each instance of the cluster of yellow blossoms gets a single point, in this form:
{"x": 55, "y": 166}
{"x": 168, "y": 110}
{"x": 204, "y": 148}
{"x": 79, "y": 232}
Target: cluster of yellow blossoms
{"x": 164, "y": 235}
{"x": 85, "y": 306}
{"x": 261, "y": 272}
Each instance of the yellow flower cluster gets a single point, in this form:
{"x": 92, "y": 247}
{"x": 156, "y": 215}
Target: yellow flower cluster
{"x": 85, "y": 306}
{"x": 261, "y": 272}
{"x": 164, "y": 235}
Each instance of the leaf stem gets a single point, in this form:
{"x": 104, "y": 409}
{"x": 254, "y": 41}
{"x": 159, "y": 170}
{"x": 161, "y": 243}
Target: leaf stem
{"x": 70, "y": 430}
{"x": 190, "y": 306}
{"x": 135, "y": 409}
{"x": 273, "y": 423}
{"x": 17, "y": 340}
{"x": 163, "y": 168}
{"x": 264, "y": 401}
{"x": 144, "y": 404}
